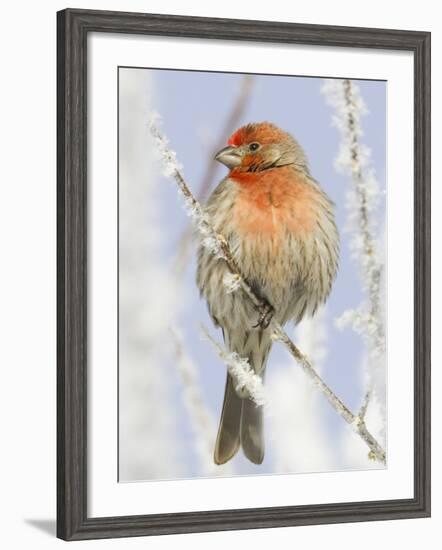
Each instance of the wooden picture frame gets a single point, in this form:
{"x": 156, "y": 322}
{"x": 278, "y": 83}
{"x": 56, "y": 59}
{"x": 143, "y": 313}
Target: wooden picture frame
{"x": 73, "y": 27}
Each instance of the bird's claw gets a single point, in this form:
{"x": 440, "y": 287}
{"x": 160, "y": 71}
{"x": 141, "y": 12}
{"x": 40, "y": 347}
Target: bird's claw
{"x": 266, "y": 313}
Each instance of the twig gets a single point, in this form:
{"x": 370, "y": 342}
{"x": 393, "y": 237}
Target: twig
{"x": 344, "y": 96}
{"x": 218, "y": 246}
{"x": 364, "y": 406}
{"x": 202, "y": 420}
{"x": 371, "y": 265}
{"x": 206, "y": 182}
{"x": 232, "y": 121}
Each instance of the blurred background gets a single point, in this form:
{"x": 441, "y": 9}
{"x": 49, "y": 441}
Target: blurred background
{"x": 171, "y": 382}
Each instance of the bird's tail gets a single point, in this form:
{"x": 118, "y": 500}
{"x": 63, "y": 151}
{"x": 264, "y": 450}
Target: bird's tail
{"x": 241, "y": 423}
{"x": 252, "y": 431}
{"x": 241, "y": 420}
{"x": 227, "y": 440}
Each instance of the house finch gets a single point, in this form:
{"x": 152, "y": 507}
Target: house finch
{"x": 281, "y": 230}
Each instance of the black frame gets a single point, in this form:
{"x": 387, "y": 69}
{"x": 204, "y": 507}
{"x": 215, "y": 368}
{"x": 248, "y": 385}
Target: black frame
{"x": 73, "y": 27}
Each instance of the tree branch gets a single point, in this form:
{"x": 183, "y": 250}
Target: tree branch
{"x": 354, "y": 159}
{"x": 200, "y": 417}
{"x": 206, "y": 182}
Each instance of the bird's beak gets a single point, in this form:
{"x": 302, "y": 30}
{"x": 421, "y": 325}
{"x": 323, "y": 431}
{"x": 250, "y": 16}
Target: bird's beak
{"x": 229, "y": 156}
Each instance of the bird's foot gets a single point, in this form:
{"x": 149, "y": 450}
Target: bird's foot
{"x": 266, "y": 313}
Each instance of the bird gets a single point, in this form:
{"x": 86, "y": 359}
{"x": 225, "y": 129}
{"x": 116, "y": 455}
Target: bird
{"x": 280, "y": 227}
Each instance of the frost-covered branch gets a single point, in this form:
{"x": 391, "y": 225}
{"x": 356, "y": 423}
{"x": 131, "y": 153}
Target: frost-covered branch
{"x": 354, "y": 159}
{"x": 363, "y": 198}
{"x": 200, "y": 417}
{"x": 296, "y": 405}
{"x": 218, "y": 246}
{"x": 240, "y": 370}
{"x": 202, "y": 420}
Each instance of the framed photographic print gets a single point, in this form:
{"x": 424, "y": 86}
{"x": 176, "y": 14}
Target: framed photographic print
{"x": 243, "y": 274}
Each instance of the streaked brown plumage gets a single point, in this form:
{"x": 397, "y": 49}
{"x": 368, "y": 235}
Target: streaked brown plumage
{"x": 281, "y": 229}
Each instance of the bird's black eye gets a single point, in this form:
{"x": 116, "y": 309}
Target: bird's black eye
{"x": 254, "y": 146}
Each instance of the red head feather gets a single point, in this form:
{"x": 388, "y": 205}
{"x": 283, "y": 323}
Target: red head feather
{"x": 235, "y": 138}
{"x": 263, "y": 132}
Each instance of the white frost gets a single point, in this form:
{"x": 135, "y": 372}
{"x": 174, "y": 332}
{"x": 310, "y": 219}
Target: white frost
{"x": 232, "y": 282}
{"x": 241, "y": 371}
{"x": 146, "y": 303}
{"x": 167, "y": 155}
{"x": 172, "y": 168}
